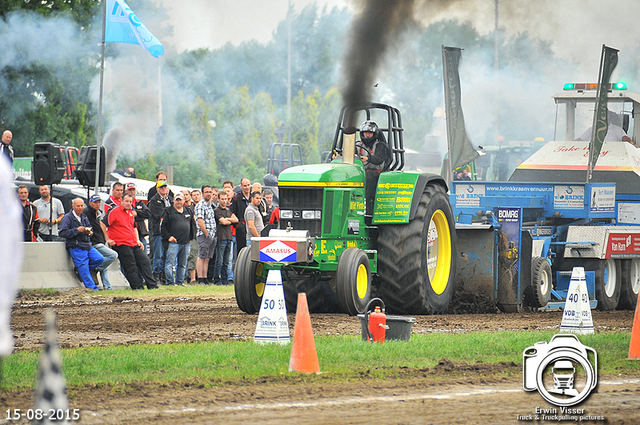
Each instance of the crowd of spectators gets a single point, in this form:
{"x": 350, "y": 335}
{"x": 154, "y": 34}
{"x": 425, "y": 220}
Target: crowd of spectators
{"x": 190, "y": 237}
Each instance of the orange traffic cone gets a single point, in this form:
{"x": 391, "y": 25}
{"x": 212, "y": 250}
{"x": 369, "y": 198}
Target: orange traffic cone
{"x": 634, "y": 346}
{"x": 304, "y": 357}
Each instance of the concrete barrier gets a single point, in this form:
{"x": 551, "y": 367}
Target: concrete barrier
{"x": 49, "y": 265}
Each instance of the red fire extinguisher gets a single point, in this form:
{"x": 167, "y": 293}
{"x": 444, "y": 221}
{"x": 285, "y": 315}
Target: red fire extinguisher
{"x": 376, "y": 322}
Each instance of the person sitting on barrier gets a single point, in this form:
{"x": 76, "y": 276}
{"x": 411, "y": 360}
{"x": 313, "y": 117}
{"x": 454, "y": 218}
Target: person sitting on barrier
{"x": 615, "y": 133}
{"x": 77, "y": 230}
{"x": 98, "y": 240}
{"x": 374, "y": 152}
{"x": 122, "y": 236}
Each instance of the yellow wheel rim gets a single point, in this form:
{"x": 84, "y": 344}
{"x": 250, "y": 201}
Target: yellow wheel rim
{"x": 362, "y": 281}
{"x": 259, "y": 285}
{"x": 439, "y": 252}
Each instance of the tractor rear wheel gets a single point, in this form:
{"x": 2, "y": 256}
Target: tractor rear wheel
{"x": 630, "y": 284}
{"x": 353, "y": 281}
{"x": 416, "y": 260}
{"x": 249, "y": 283}
{"x": 541, "y": 281}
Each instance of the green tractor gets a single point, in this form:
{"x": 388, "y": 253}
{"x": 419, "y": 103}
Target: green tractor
{"x": 327, "y": 247}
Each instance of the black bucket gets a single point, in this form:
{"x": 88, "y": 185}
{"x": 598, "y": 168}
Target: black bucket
{"x": 399, "y": 326}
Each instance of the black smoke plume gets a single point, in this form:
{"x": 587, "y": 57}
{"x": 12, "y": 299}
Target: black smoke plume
{"x": 373, "y": 30}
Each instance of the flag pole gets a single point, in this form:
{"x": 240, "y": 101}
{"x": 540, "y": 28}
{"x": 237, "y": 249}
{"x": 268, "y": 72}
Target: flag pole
{"x": 159, "y": 92}
{"x": 99, "y": 135}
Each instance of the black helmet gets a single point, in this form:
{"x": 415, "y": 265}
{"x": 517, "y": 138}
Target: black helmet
{"x": 368, "y": 126}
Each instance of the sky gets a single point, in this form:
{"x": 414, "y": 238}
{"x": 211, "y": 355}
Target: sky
{"x": 576, "y": 28}
{"x": 213, "y": 23}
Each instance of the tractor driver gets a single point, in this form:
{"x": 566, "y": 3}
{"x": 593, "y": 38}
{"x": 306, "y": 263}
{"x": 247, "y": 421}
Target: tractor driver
{"x": 374, "y": 152}
{"x": 615, "y": 133}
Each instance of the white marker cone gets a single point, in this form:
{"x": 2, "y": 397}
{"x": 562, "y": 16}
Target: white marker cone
{"x": 576, "y": 317}
{"x": 273, "y": 325}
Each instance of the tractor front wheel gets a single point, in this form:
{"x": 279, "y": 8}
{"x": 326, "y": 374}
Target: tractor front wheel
{"x": 416, "y": 260}
{"x": 353, "y": 281}
{"x": 249, "y": 282}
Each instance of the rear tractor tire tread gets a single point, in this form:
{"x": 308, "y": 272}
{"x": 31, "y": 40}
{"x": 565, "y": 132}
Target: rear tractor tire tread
{"x": 405, "y": 286}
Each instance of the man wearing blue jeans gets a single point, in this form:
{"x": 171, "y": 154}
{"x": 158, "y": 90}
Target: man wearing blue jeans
{"x": 99, "y": 242}
{"x": 77, "y": 231}
{"x": 157, "y": 205}
{"x": 178, "y": 228}
{"x": 224, "y": 250}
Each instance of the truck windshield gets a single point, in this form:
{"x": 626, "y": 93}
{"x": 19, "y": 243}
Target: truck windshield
{"x": 584, "y": 118}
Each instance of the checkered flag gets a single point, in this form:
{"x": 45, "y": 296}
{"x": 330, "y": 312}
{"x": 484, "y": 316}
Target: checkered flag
{"x": 51, "y": 390}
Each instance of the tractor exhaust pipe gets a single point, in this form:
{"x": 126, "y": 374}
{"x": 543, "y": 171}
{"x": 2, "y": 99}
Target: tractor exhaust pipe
{"x": 348, "y": 145}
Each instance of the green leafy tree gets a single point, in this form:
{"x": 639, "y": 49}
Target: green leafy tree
{"x": 195, "y": 161}
{"x": 44, "y": 92}
{"x": 328, "y": 111}
{"x": 81, "y": 11}
{"x": 237, "y": 140}
{"x": 304, "y": 125}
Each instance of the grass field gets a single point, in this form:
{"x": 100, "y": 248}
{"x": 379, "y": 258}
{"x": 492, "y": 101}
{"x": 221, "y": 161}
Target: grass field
{"x": 341, "y": 357}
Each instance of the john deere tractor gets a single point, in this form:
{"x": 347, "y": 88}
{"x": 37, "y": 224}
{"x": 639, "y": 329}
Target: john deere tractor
{"x": 330, "y": 248}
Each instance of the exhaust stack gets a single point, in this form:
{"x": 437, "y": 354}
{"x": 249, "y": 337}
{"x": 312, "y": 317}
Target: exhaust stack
{"x": 348, "y": 145}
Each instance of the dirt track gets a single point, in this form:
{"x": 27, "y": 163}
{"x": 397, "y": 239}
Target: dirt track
{"x": 447, "y": 393}
{"x": 84, "y": 320}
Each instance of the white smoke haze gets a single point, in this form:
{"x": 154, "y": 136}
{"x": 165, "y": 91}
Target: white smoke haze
{"x": 514, "y": 101}
{"x": 130, "y": 103}
{"x": 31, "y": 39}
{"x": 576, "y": 28}
{"x": 213, "y": 23}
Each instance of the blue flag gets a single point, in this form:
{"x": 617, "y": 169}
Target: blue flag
{"x": 123, "y": 26}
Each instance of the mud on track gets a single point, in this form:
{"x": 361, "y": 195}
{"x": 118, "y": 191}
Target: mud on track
{"x": 447, "y": 393}
{"x": 85, "y": 320}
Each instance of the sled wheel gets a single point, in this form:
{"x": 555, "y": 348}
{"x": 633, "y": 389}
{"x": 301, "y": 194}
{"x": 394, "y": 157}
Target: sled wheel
{"x": 541, "y": 281}
{"x": 630, "y": 284}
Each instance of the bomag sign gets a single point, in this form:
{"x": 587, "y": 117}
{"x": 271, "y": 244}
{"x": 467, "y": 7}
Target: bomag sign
{"x": 511, "y": 214}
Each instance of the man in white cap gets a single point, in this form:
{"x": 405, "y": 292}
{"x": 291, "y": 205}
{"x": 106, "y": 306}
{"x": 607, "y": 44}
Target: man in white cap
{"x": 157, "y": 204}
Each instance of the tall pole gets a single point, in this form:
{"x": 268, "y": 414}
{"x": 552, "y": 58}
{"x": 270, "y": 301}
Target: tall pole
{"x": 99, "y": 141}
{"x": 289, "y": 72}
{"x": 496, "y": 66}
{"x": 159, "y": 92}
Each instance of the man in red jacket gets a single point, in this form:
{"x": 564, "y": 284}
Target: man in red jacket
{"x": 124, "y": 239}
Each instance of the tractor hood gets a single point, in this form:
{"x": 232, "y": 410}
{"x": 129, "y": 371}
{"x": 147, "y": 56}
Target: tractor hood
{"x": 334, "y": 174}
{"x": 566, "y": 162}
